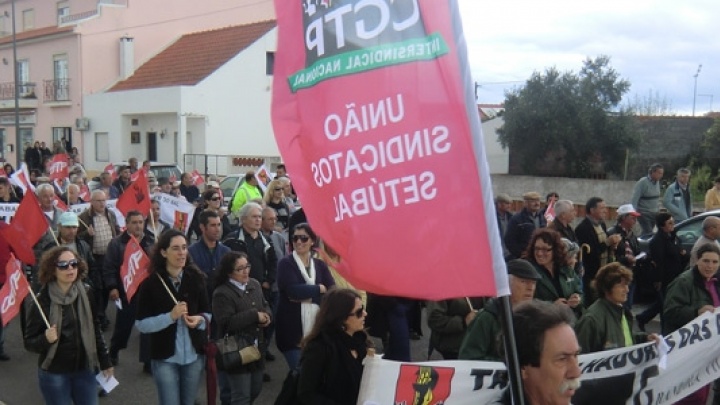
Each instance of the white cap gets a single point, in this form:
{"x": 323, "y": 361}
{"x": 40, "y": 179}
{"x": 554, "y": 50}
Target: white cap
{"x": 627, "y": 209}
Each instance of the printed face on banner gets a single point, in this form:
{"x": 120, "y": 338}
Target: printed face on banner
{"x": 371, "y": 117}
{"x": 423, "y": 385}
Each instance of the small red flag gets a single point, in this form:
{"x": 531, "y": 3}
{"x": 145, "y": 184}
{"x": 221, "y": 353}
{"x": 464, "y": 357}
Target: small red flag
{"x": 60, "y": 203}
{"x": 136, "y": 196}
{"x": 135, "y": 267}
{"x": 27, "y": 227}
{"x": 58, "y": 167}
{"x": 550, "y": 210}
{"x": 85, "y": 193}
{"x": 14, "y": 291}
{"x": 21, "y": 178}
{"x": 110, "y": 168}
{"x": 197, "y": 178}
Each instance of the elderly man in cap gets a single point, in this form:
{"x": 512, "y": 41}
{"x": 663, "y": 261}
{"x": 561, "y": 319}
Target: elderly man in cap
{"x": 503, "y": 203}
{"x": 628, "y": 248}
{"x": 480, "y": 340}
{"x": 523, "y": 224}
{"x": 67, "y": 235}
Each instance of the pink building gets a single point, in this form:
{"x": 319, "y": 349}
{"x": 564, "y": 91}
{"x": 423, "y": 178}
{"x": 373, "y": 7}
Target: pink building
{"x": 72, "y": 48}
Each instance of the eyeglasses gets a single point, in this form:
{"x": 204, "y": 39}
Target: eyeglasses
{"x": 359, "y": 313}
{"x": 301, "y": 238}
{"x": 278, "y": 188}
{"x": 243, "y": 268}
{"x": 215, "y": 199}
{"x": 66, "y": 264}
{"x": 539, "y": 249}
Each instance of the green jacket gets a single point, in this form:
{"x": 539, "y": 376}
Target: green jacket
{"x": 480, "y": 342}
{"x": 684, "y": 297}
{"x": 446, "y": 320}
{"x": 600, "y": 327}
{"x": 243, "y": 194}
{"x": 569, "y": 283}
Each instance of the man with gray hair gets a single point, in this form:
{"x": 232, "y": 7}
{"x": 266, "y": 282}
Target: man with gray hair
{"x": 710, "y": 234}
{"x": 677, "y": 198}
{"x": 503, "y": 203}
{"x": 646, "y": 196}
{"x": 564, "y": 216}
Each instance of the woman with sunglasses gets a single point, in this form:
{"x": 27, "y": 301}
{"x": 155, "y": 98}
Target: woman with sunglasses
{"x": 302, "y": 282}
{"x": 210, "y": 200}
{"x": 275, "y": 199}
{"x": 239, "y": 308}
{"x": 173, "y": 308}
{"x": 334, "y": 351}
{"x": 73, "y": 347}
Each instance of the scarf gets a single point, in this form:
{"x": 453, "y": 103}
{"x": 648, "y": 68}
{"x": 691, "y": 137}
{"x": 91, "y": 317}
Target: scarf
{"x": 76, "y": 294}
{"x": 308, "y": 310}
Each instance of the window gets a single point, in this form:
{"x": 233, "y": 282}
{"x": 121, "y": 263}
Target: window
{"x": 63, "y": 10}
{"x": 28, "y": 19}
{"x": 24, "y": 77}
{"x": 26, "y": 134}
{"x": 269, "y": 63}
{"x": 134, "y": 137}
{"x": 61, "y": 82}
{"x": 102, "y": 147}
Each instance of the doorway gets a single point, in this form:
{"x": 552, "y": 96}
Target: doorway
{"x": 152, "y": 146}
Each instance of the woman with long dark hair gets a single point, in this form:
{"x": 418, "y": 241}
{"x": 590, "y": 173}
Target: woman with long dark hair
{"x": 173, "y": 308}
{"x": 73, "y": 347}
{"x": 333, "y": 352}
{"x": 239, "y": 308}
{"x": 302, "y": 282}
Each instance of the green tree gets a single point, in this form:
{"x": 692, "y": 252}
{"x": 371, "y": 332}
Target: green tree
{"x": 570, "y": 113}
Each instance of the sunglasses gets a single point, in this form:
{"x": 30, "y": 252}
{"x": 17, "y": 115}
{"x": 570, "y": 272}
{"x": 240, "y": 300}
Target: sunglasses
{"x": 301, "y": 238}
{"x": 359, "y": 313}
{"x": 215, "y": 199}
{"x": 66, "y": 264}
{"x": 243, "y": 268}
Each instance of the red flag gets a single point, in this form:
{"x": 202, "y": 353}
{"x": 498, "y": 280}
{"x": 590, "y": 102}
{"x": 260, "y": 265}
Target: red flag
{"x": 2, "y": 172}
{"x": 550, "y": 210}
{"x": 14, "y": 291}
{"x": 27, "y": 227}
{"x": 135, "y": 267}
{"x": 21, "y": 178}
{"x": 197, "y": 178}
{"x": 59, "y": 203}
{"x": 58, "y": 167}
{"x": 135, "y": 197}
{"x": 85, "y": 193}
{"x": 110, "y": 168}
{"x": 368, "y": 158}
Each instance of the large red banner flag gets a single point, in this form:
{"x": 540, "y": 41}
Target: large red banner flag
{"x": 375, "y": 117}
{"x": 136, "y": 196}
{"x": 135, "y": 267}
{"x": 14, "y": 291}
{"x": 27, "y": 227}
{"x": 58, "y": 167}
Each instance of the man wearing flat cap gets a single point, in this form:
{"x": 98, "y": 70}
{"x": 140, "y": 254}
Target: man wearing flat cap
{"x": 523, "y": 224}
{"x": 503, "y": 202}
{"x": 480, "y": 342}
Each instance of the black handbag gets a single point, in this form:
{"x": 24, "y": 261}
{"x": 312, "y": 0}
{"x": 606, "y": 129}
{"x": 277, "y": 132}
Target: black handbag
{"x": 288, "y": 392}
{"x": 235, "y": 351}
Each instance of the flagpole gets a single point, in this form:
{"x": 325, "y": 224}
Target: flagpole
{"x": 167, "y": 289}
{"x": 32, "y": 294}
{"x": 511, "y": 357}
{"x": 152, "y": 221}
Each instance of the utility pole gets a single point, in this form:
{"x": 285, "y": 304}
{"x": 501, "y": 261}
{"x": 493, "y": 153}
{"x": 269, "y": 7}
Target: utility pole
{"x": 695, "y": 90}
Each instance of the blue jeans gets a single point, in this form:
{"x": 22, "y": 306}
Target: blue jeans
{"x": 79, "y": 388}
{"x": 293, "y": 358}
{"x": 245, "y": 387}
{"x": 177, "y": 384}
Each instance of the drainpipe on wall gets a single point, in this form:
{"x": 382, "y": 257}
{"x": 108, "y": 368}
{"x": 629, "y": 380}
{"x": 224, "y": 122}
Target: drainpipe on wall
{"x": 127, "y": 57}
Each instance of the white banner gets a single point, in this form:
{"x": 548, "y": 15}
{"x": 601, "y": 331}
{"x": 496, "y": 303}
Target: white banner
{"x": 638, "y": 375}
{"x": 176, "y": 212}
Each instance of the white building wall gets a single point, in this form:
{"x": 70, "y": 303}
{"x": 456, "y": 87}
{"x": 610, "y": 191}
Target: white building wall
{"x": 498, "y": 158}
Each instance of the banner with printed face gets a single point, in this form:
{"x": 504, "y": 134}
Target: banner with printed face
{"x": 638, "y": 375}
{"x": 375, "y": 117}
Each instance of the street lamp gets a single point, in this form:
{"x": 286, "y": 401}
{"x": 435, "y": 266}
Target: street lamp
{"x": 695, "y": 90}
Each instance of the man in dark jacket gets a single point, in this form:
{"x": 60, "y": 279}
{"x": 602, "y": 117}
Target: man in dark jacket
{"x": 523, "y": 224}
{"x": 125, "y": 318}
{"x": 207, "y": 252}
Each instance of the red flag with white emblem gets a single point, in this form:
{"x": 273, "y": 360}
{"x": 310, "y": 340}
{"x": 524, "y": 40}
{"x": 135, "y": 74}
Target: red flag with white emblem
{"x": 58, "y": 167}
{"x": 135, "y": 267}
{"x": 197, "y": 178}
{"x": 14, "y": 291}
{"x": 27, "y": 227}
{"x": 21, "y": 178}
{"x": 85, "y": 193}
{"x": 110, "y": 168}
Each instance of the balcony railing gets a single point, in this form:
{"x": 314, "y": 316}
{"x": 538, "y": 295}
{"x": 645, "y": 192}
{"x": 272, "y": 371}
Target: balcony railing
{"x": 7, "y": 90}
{"x": 74, "y": 18}
{"x": 57, "y": 90}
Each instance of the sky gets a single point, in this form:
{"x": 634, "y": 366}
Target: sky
{"x": 655, "y": 45}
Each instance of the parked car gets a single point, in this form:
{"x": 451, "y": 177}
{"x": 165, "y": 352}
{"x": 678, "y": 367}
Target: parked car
{"x": 688, "y": 231}
{"x": 230, "y": 183}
